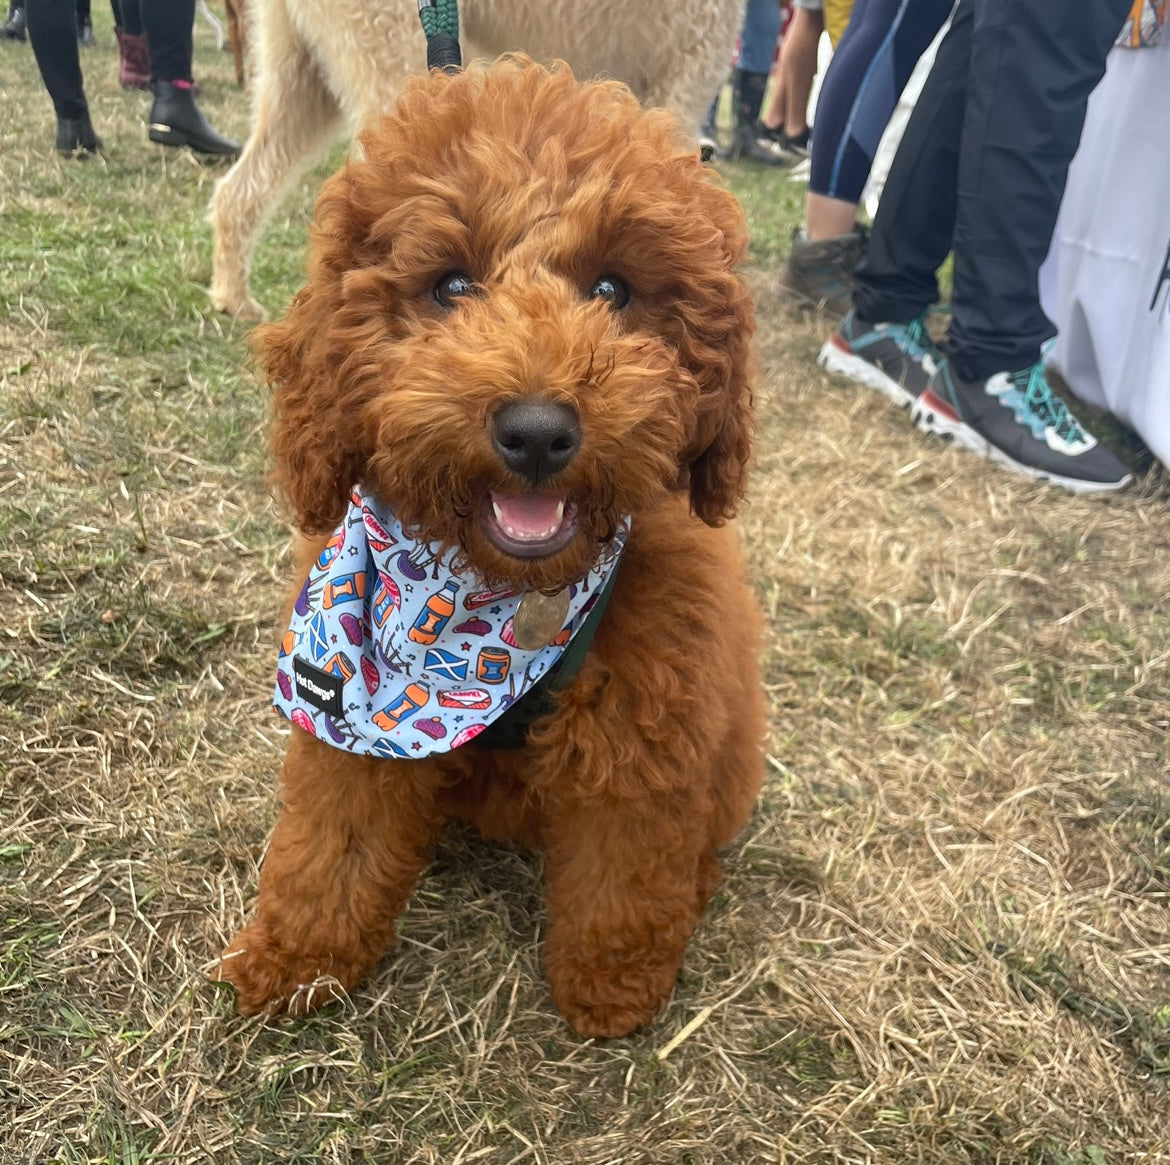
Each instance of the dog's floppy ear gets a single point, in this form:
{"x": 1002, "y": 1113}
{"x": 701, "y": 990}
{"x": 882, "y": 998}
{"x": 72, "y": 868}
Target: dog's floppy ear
{"x": 721, "y": 358}
{"x": 718, "y": 474}
{"x": 312, "y": 432}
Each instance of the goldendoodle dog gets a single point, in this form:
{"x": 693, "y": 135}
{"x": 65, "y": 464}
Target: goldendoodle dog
{"x": 512, "y": 414}
{"x": 323, "y": 66}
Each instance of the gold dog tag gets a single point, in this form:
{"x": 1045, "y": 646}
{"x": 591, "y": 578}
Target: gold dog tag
{"x": 539, "y": 617}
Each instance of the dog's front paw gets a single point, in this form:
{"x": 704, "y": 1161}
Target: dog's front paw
{"x": 237, "y": 303}
{"x": 608, "y": 1002}
{"x": 268, "y": 978}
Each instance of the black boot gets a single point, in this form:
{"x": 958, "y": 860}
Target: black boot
{"x": 75, "y": 137}
{"x": 175, "y": 120}
{"x": 747, "y": 98}
{"x": 14, "y": 27}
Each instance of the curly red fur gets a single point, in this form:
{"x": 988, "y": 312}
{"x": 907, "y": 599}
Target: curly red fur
{"x": 534, "y": 186}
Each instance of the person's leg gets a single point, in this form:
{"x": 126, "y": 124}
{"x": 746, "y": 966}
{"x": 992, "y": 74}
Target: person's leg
{"x": 1032, "y": 69}
{"x": 883, "y": 342}
{"x": 175, "y": 118}
{"x": 168, "y": 25}
{"x": 85, "y": 35}
{"x": 1033, "y": 66}
{"x": 52, "y": 29}
{"x": 798, "y": 66}
{"x": 867, "y": 74}
{"x": 914, "y": 224}
{"x": 757, "y": 46}
{"x": 869, "y": 70}
{"x": 774, "y": 113}
{"x": 133, "y": 51}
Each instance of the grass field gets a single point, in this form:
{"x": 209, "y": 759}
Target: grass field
{"x": 944, "y": 936}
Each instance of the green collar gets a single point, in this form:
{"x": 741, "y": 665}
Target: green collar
{"x": 511, "y": 729}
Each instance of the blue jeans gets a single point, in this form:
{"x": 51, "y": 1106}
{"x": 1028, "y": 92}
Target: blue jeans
{"x": 757, "y": 40}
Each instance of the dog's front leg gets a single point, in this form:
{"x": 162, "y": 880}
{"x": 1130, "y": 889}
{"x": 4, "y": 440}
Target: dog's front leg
{"x": 345, "y": 854}
{"x": 627, "y": 880}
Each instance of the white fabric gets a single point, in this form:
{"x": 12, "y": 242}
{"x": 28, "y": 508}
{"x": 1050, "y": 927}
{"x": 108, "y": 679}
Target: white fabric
{"x": 896, "y": 127}
{"x": 1106, "y": 282}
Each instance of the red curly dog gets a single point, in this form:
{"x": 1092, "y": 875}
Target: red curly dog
{"x": 510, "y": 235}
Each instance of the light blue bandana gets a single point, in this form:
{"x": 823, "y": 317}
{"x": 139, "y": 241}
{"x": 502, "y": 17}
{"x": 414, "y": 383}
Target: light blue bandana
{"x": 391, "y": 654}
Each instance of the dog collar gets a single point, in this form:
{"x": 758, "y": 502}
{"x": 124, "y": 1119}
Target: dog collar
{"x": 391, "y": 653}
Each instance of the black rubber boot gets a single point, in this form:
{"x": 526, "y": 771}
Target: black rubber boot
{"x": 747, "y": 97}
{"x": 75, "y": 137}
{"x": 14, "y": 27}
{"x": 175, "y": 120}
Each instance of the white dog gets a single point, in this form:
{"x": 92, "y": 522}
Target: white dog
{"x": 321, "y": 67}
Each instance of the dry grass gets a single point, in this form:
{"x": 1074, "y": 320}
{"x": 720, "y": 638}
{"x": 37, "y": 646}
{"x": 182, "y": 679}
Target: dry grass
{"x": 944, "y": 937}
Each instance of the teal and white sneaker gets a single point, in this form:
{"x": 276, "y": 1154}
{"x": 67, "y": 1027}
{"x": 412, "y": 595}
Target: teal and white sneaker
{"x": 1014, "y": 420}
{"x": 896, "y": 359}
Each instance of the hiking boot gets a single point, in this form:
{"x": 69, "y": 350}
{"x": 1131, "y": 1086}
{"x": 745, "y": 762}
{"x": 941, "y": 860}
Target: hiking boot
{"x": 896, "y": 359}
{"x": 820, "y": 273}
{"x": 1015, "y": 420}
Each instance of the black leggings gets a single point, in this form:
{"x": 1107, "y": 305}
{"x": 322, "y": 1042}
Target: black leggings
{"x": 867, "y": 74}
{"x": 52, "y": 29}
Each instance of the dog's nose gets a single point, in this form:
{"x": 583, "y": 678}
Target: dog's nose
{"x": 536, "y": 438}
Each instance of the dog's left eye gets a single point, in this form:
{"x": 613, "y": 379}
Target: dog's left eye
{"x": 612, "y": 290}
{"x": 454, "y": 285}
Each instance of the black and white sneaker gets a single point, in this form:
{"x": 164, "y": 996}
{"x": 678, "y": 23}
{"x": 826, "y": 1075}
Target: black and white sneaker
{"x": 896, "y": 359}
{"x": 1014, "y": 420}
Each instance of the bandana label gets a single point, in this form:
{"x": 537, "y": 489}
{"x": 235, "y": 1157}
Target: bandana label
{"x": 319, "y": 688}
{"x": 390, "y": 653}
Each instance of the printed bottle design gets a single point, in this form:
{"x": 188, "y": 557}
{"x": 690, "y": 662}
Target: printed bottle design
{"x": 409, "y": 700}
{"x": 348, "y": 588}
{"x": 434, "y": 615}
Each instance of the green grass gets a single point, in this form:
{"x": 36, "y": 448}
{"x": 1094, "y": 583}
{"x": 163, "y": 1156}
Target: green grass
{"x": 941, "y": 938}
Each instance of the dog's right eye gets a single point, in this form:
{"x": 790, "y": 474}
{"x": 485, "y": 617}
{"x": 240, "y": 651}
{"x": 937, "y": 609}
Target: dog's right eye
{"x": 612, "y": 290}
{"x": 454, "y": 285}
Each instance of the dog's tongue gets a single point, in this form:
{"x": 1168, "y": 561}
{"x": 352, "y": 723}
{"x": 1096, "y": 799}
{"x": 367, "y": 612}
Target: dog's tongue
{"x": 528, "y": 516}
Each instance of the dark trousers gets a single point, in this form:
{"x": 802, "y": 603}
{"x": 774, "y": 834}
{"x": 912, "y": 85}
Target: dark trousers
{"x": 52, "y": 29}
{"x": 981, "y": 171}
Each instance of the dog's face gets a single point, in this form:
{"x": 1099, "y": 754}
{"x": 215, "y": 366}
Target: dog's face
{"x": 522, "y": 321}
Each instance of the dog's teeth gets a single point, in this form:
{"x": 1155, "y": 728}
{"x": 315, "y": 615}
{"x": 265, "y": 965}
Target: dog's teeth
{"x": 529, "y": 535}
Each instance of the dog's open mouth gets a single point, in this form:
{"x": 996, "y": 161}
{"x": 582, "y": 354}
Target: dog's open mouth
{"x": 529, "y": 525}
